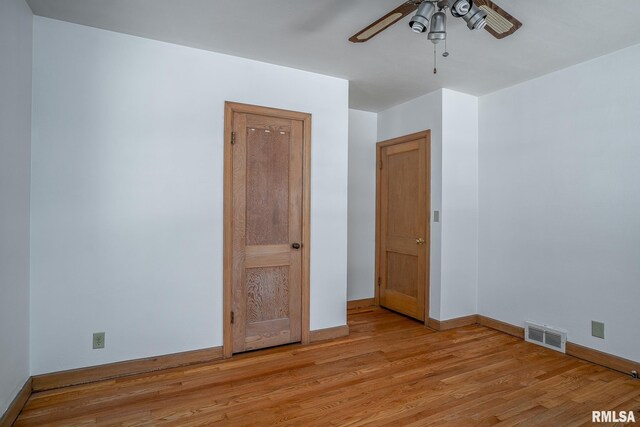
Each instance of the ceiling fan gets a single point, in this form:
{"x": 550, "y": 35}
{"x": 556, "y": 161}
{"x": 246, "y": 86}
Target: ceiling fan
{"x": 477, "y": 14}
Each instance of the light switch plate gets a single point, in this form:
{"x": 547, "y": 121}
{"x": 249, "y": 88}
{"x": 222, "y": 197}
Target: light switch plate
{"x": 98, "y": 340}
{"x": 436, "y": 216}
{"x": 597, "y": 329}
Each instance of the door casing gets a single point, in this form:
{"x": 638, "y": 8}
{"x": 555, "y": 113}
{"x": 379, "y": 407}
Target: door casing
{"x": 426, "y": 135}
{"x": 229, "y": 109}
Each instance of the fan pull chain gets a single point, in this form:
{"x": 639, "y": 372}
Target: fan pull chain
{"x": 446, "y": 52}
{"x": 435, "y": 60}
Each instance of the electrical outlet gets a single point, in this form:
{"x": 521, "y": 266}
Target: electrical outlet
{"x": 597, "y": 329}
{"x": 98, "y": 340}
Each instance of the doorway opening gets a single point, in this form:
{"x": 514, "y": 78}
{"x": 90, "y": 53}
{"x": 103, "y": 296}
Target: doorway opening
{"x": 403, "y": 194}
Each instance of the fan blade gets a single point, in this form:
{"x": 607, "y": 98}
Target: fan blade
{"x": 385, "y": 22}
{"x": 499, "y": 23}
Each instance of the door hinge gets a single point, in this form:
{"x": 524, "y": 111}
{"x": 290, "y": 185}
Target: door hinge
{"x": 378, "y": 281}
{"x": 233, "y": 317}
{"x": 233, "y": 138}
{"x": 380, "y": 165}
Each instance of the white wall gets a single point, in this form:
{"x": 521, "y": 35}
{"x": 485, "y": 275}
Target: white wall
{"x": 127, "y": 192}
{"x": 419, "y": 114}
{"x": 15, "y": 146}
{"x": 363, "y": 129}
{"x": 459, "y": 204}
{"x": 560, "y": 202}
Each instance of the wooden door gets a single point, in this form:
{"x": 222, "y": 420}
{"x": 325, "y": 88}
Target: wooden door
{"x": 403, "y": 195}
{"x": 266, "y": 229}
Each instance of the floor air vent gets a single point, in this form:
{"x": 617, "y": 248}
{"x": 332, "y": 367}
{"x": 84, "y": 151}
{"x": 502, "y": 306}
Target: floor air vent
{"x": 546, "y": 336}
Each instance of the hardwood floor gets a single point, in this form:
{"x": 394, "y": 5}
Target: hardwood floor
{"x": 389, "y": 371}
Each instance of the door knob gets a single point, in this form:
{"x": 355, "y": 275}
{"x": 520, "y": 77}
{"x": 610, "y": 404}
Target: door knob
{"x": 420, "y": 241}
{"x": 295, "y": 245}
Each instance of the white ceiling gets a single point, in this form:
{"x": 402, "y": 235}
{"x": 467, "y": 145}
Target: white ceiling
{"x": 393, "y": 67}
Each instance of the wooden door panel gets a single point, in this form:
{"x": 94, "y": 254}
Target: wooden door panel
{"x": 403, "y": 228}
{"x": 402, "y": 180}
{"x": 267, "y": 165}
{"x": 267, "y": 219}
{"x": 402, "y": 274}
{"x": 267, "y": 291}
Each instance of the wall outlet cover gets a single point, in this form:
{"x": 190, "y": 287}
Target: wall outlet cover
{"x": 597, "y": 329}
{"x": 98, "y": 340}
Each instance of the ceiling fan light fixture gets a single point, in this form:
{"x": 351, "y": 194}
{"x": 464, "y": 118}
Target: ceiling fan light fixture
{"x": 438, "y": 29}
{"x": 477, "y": 14}
{"x": 420, "y": 21}
{"x": 476, "y": 18}
{"x": 459, "y": 8}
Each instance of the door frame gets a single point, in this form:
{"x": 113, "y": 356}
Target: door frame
{"x": 426, "y": 135}
{"x": 229, "y": 109}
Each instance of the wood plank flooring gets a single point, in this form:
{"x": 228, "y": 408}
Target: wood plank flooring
{"x": 389, "y": 371}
